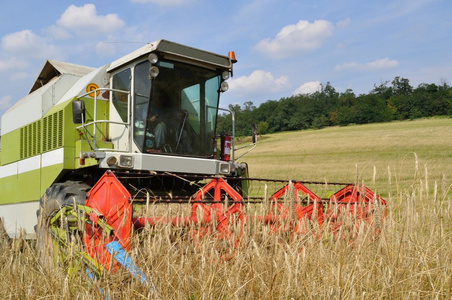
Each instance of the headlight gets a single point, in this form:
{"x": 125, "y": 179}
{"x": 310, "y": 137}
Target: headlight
{"x": 153, "y": 58}
{"x": 111, "y": 161}
{"x": 153, "y": 72}
{"x": 225, "y": 169}
{"x": 224, "y": 86}
{"x": 225, "y": 75}
{"x": 126, "y": 161}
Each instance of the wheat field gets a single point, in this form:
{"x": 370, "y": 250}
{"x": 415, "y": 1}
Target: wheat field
{"x": 409, "y": 163}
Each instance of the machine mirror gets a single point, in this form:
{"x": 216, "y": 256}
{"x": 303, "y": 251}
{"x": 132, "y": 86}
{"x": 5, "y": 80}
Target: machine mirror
{"x": 78, "y": 111}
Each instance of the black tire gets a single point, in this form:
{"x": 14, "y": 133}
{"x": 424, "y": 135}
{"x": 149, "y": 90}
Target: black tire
{"x": 58, "y": 195}
{"x": 61, "y": 194}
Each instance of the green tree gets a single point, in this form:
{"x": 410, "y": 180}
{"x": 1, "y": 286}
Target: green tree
{"x": 401, "y": 86}
{"x": 387, "y": 101}
{"x": 262, "y": 127}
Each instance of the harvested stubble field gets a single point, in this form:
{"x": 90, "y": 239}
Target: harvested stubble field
{"x": 408, "y": 163}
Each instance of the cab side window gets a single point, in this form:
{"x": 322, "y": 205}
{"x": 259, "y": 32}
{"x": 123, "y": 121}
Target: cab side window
{"x": 121, "y": 81}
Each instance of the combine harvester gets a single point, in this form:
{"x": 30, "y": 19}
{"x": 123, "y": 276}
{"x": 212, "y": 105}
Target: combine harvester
{"x": 87, "y": 147}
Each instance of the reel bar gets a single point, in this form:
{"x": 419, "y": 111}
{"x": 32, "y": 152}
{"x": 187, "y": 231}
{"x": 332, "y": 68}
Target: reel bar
{"x": 150, "y": 174}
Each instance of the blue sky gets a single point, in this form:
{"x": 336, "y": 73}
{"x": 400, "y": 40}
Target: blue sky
{"x": 283, "y": 47}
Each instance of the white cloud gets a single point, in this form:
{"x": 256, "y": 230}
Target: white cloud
{"x": 27, "y": 44}
{"x": 58, "y": 32}
{"x": 343, "y": 23}
{"x": 13, "y": 64}
{"x": 308, "y": 88}
{"x": 22, "y": 76}
{"x": 379, "y": 64}
{"x": 259, "y": 82}
{"x": 105, "y": 49}
{"x": 165, "y": 2}
{"x": 84, "y": 21}
{"x": 384, "y": 63}
{"x": 6, "y": 65}
{"x": 298, "y": 38}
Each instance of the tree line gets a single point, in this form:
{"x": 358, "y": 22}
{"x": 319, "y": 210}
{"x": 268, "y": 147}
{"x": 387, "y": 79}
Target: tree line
{"x": 395, "y": 100}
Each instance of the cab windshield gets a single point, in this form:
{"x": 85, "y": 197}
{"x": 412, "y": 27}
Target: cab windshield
{"x": 175, "y": 113}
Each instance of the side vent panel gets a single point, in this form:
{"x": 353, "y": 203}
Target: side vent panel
{"x": 42, "y": 136}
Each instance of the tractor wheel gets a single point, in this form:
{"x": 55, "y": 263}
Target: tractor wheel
{"x": 58, "y": 196}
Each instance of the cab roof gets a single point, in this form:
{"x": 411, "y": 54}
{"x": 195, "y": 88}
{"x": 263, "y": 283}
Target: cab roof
{"x": 174, "y": 49}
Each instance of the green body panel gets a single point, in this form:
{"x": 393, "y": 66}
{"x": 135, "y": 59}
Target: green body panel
{"x": 54, "y": 131}
{"x": 9, "y": 189}
{"x": 48, "y": 176}
{"x": 10, "y": 153}
{"x": 102, "y": 114}
{"x": 84, "y": 146}
{"x": 28, "y": 186}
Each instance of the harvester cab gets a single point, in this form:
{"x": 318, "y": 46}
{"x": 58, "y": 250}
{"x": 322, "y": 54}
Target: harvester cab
{"x": 163, "y": 111}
